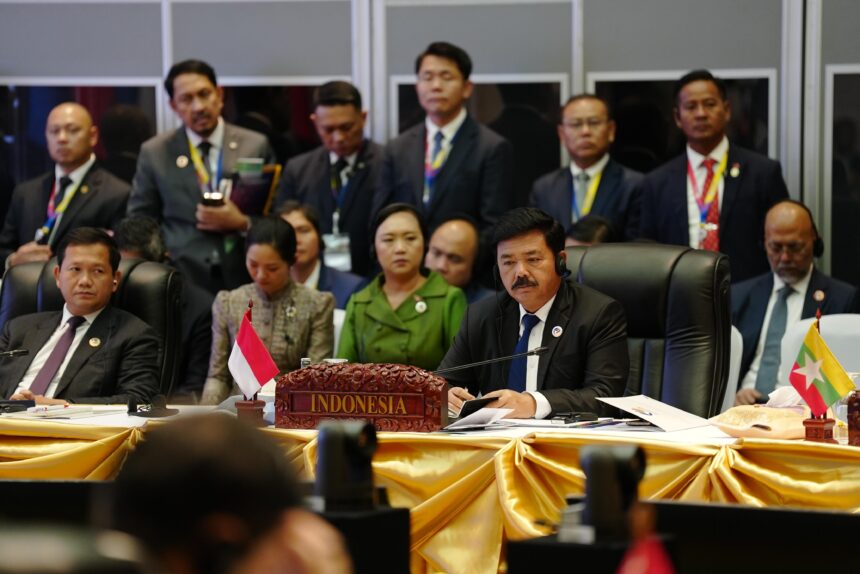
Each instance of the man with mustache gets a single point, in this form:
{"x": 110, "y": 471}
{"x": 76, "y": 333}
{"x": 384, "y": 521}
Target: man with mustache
{"x": 793, "y": 290}
{"x": 176, "y": 170}
{"x": 584, "y": 332}
{"x": 715, "y": 195}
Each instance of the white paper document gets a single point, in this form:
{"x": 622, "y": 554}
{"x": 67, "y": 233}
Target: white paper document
{"x": 479, "y": 419}
{"x": 659, "y": 414}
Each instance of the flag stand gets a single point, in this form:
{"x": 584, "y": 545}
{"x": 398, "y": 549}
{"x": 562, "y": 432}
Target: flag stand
{"x": 819, "y": 430}
{"x": 251, "y": 411}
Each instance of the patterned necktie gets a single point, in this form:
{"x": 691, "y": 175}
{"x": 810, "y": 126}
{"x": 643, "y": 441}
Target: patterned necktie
{"x": 55, "y": 359}
{"x": 517, "y": 374}
{"x": 579, "y": 189}
{"x": 768, "y": 369}
{"x": 65, "y": 182}
{"x": 432, "y": 170}
{"x": 711, "y": 241}
{"x": 337, "y": 178}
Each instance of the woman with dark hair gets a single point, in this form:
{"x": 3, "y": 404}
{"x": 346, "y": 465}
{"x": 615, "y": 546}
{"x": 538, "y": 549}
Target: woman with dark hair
{"x": 406, "y": 314}
{"x": 293, "y": 321}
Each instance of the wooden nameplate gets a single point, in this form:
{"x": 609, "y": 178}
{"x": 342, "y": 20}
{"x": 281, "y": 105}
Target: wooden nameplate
{"x": 391, "y": 397}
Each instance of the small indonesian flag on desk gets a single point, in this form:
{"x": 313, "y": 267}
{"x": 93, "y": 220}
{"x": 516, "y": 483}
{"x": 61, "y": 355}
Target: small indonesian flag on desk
{"x": 817, "y": 375}
{"x": 250, "y": 362}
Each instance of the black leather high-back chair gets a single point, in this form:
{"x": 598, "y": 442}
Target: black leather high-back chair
{"x": 150, "y": 291}
{"x": 678, "y": 317}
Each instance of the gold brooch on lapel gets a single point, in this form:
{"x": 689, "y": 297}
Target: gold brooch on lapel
{"x": 420, "y": 305}
{"x": 232, "y": 145}
{"x": 85, "y": 189}
{"x": 736, "y": 170}
{"x": 181, "y": 161}
{"x": 818, "y": 295}
{"x": 95, "y": 342}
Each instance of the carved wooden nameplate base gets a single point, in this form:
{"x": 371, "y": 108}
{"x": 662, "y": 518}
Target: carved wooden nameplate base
{"x": 392, "y": 397}
{"x": 819, "y": 430}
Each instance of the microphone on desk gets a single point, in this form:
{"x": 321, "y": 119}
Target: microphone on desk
{"x": 14, "y": 353}
{"x": 535, "y": 351}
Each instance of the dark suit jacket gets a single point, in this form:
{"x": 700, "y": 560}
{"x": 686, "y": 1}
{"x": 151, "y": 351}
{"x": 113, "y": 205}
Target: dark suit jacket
{"x": 307, "y": 179}
{"x": 124, "y": 365}
{"x": 169, "y": 193}
{"x": 99, "y": 202}
{"x": 750, "y": 298}
{"x": 475, "y": 179}
{"x": 552, "y": 193}
{"x": 339, "y": 283}
{"x": 589, "y": 359}
{"x": 660, "y": 208}
{"x": 196, "y": 338}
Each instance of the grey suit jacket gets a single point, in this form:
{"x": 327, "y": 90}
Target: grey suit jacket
{"x": 552, "y": 193}
{"x": 122, "y": 365}
{"x": 476, "y": 179}
{"x": 165, "y": 187}
{"x": 99, "y": 202}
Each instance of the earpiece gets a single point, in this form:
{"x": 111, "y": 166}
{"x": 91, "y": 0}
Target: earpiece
{"x": 561, "y": 266}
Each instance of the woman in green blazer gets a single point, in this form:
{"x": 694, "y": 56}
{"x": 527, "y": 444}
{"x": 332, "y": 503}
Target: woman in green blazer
{"x": 405, "y": 315}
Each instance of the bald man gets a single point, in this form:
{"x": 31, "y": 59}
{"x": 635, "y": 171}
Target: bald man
{"x": 76, "y": 193}
{"x": 765, "y": 306}
{"x": 452, "y": 254}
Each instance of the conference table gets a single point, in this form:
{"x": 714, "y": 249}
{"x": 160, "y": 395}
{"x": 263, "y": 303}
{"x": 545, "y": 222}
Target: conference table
{"x": 469, "y": 493}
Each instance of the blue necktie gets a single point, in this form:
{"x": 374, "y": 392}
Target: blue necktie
{"x": 768, "y": 369}
{"x": 517, "y": 375}
{"x": 431, "y": 171}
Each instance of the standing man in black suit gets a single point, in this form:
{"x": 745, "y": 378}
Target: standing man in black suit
{"x": 449, "y": 164}
{"x": 76, "y": 193}
{"x": 594, "y": 182}
{"x": 584, "y": 331}
{"x": 793, "y": 290}
{"x": 337, "y": 179}
{"x": 177, "y": 173}
{"x": 90, "y": 352}
{"x": 714, "y": 196}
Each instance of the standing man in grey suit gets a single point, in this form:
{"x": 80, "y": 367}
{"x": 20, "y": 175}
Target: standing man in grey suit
{"x": 337, "y": 179}
{"x": 90, "y": 352}
{"x": 76, "y": 193}
{"x": 594, "y": 182}
{"x": 448, "y": 164}
{"x": 176, "y": 169}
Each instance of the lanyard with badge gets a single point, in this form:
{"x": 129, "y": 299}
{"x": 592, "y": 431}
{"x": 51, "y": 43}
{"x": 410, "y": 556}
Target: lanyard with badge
{"x": 433, "y": 165}
{"x": 43, "y": 234}
{"x": 588, "y": 201}
{"x": 706, "y": 197}
{"x": 213, "y": 189}
{"x": 337, "y": 250}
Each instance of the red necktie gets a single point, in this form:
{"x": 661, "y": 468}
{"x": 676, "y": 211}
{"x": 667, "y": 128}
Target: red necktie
{"x": 711, "y": 242}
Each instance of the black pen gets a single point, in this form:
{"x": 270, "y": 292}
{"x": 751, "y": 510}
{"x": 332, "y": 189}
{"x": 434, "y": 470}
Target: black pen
{"x": 605, "y": 423}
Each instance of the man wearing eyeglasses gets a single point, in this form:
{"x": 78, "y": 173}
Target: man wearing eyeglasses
{"x": 765, "y": 306}
{"x": 594, "y": 183}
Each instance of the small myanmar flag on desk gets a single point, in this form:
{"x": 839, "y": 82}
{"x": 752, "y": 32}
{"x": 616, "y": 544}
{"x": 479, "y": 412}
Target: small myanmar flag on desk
{"x": 817, "y": 375}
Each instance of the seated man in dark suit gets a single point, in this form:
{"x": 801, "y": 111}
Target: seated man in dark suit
{"x": 90, "y": 352}
{"x": 338, "y": 178}
{"x": 140, "y": 237}
{"x": 449, "y": 163}
{"x": 310, "y": 269}
{"x": 453, "y": 254}
{"x": 594, "y": 183}
{"x": 715, "y": 195}
{"x": 590, "y": 230}
{"x": 76, "y": 193}
{"x": 793, "y": 290}
{"x": 584, "y": 331}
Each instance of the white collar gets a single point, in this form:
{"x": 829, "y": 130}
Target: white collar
{"x": 800, "y": 286}
{"x": 592, "y": 170}
{"x": 449, "y": 130}
{"x": 90, "y": 318}
{"x": 216, "y": 138}
{"x": 716, "y": 154}
{"x": 350, "y": 159}
{"x": 313, "y": 279}
{"x": 541, "y": 313}
{"x": 76, "y": 175}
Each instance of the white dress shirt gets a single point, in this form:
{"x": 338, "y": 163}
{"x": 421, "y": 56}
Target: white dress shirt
{"x": 314, "y": 278}
{"x": 347, "y": 171}
{"x": 794, "y": 310}
{"x": 449, "y": 130}
{"x": 542, "y": 406}
{"x": 42, "y": 356}
{"x": 217, "y": 141}
{"x": 694, "y": 216}
{"x": 592, "y": 170}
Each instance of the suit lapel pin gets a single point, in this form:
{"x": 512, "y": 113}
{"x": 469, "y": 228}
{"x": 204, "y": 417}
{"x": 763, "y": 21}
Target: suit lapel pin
{"x": 95, "y": 342}
{"x": 557, "y": 331}
{"x": 181, "y": 161}
{"x": 736, "y": 170}
{"x": 818, "y": 295}
{"x": 420, "y": 305}
{"x": 85, "y": 189}
{"x": 233, "y": 145}
{"x": 291, "y": 312}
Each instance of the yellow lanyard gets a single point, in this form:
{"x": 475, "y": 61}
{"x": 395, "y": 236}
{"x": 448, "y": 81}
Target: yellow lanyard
{"x": 199, "y": 167}
{"x": 592, "y": 193}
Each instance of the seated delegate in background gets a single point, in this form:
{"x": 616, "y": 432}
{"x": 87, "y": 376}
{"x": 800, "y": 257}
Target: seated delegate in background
{"x": 90, "y": 352}
{"x": 453, "y": 254}
{"x": 309, "y": 269}
{"x": 590, "y": 230}
{"x": 291, "y": 320}
{"x": 140, "y": 237}
{"x": 405, "y": 315}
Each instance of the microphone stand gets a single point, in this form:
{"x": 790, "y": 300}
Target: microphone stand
{"x": 535, "y": 351}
